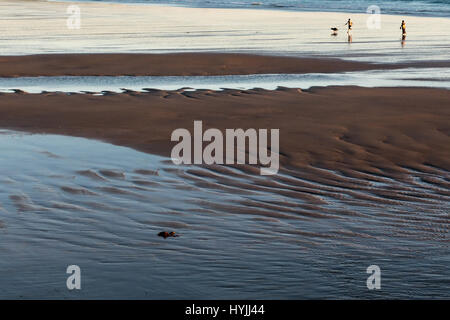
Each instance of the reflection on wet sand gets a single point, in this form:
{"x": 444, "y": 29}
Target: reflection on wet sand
{"x": 307, "y": 232}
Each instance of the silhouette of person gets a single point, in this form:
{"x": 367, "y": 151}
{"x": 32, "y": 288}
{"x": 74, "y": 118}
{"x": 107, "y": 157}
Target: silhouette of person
{"x": 403, "y": 27}
{"x": 349, "y": 23}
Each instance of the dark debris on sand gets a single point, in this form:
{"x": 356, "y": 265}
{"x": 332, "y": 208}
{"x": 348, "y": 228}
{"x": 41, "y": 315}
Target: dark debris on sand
{"x": 166, "y": 234}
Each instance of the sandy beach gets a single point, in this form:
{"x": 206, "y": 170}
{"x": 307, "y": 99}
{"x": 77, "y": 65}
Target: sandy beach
{"x": 179, "y": 64}
{"x": 185, "y": 64}
{"x": 358, "y": 178}
{"x": 36, "y": 27}
{"x": 334, "y": 127}
{"x": 86, "y": 176}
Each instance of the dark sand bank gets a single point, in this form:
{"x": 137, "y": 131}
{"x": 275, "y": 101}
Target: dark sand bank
{"x": 180, "y": 64}
{"x": 364, "y": 129}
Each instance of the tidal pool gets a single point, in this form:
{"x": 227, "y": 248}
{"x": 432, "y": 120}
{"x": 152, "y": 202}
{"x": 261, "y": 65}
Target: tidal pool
{"x": 71, "y": 201}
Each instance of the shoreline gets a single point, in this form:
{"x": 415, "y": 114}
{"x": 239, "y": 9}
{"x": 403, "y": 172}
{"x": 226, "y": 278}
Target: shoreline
{"x": 184, "y": 64}
{"x": 339, "y": 128}
{"x": 360, "y": 175}
{"x": 273, "y": 8}
{"x": 365, "y": 177}
{"x": 121, "y": 28}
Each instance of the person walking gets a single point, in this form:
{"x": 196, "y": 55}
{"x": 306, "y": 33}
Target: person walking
{"x": 349, "y": 24}
{"x": 403, "y": 27}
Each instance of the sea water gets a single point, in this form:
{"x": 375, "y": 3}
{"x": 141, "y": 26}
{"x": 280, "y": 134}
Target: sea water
{"x": 433, "y": 8}
{"x": 411, "y": 77}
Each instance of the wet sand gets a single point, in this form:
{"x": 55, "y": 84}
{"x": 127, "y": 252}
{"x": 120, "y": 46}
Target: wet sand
{"x": 183, "y": 64}
{"x": 378, "y": 130}
{"x": 40, "y": 27}
{"x": 306, "y": 233}
{"x": 364, "y": 173}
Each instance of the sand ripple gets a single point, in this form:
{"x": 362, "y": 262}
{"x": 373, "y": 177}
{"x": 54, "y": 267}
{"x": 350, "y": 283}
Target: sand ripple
{"x": 106, "y": 208}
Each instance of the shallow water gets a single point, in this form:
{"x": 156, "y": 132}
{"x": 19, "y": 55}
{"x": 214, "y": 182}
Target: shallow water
{"x": 411, "y": 77}
{"x": 436, "y": 8}
{"x": 300, "y": 234}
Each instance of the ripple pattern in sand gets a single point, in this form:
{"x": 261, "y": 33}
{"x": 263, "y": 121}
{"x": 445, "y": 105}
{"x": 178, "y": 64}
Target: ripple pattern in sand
{"x": 305, "y": 233}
